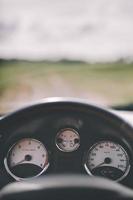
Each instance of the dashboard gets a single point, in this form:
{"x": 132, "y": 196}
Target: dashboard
{"x": 65, "y": 136}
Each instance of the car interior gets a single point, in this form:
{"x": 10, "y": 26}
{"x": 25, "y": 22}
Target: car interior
{"x": 66, "y": 148}
{"x": 66, "y": 100}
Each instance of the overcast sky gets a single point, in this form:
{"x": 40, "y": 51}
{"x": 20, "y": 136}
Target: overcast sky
{"x": 89, "y": 30}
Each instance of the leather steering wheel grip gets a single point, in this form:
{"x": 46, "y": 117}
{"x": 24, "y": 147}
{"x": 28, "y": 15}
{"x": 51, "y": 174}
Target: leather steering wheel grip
{"x": 66, "y": 187}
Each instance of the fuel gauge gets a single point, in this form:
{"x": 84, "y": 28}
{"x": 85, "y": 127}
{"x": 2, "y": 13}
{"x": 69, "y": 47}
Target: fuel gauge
{"x": 67, "y": 140}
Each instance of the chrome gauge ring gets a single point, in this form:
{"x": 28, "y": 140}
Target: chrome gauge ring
{"x": 107, "y": 159}
{"x": 27, "y": 158}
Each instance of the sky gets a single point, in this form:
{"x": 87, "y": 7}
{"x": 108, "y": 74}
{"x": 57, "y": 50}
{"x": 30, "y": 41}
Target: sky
{"x": 91, "y": 31}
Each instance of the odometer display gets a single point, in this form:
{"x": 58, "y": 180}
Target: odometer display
{"x": 107, "y": 159}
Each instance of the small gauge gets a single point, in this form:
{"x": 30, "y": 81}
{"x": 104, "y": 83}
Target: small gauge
{"x": 67, "y": 140}
{"x": 27, "y": 158}
{"x": 107, "y": 159}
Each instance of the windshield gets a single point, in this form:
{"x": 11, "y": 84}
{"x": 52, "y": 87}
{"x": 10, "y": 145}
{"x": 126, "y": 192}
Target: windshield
{"x": 73, "y": 48}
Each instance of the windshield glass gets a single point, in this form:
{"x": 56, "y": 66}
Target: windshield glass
{"x": 73, "y": 48}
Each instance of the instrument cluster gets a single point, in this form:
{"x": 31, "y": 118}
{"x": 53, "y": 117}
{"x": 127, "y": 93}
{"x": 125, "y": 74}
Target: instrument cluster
{"x": 29, "y": 157}
{"x": 65, "y": 137}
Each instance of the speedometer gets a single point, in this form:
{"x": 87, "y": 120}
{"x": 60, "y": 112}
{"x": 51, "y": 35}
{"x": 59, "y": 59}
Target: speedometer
{"x": 107, "y": 159}
{"x": 27, "y": 158}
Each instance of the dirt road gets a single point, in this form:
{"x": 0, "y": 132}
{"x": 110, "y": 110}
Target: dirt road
{"x": 27, "y": 92}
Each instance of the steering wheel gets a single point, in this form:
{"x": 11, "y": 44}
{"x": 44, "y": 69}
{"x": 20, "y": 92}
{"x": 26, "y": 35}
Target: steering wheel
{"x": 64, "y": 187}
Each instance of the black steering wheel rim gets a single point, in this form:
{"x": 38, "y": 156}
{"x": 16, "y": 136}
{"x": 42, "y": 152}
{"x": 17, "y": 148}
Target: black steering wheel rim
{"x": 63, "y": 187}
{"x": 49, "y": 104}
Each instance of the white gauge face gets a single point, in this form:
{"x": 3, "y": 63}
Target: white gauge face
{"x": 26, "y": 159}
{"x": 107, "y": 159}
{"x": 67, "y": 140}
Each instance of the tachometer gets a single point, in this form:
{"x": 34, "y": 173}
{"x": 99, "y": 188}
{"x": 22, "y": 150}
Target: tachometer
{"x": 107, "y": 159}
{"x": 27, "y": 158}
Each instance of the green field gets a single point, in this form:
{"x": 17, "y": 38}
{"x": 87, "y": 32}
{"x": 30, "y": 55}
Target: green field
{"x": 26, "y": 82}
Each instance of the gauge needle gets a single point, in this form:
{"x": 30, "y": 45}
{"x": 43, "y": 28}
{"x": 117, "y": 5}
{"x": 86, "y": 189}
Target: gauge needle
{"x": 19, "y": 162}
{"x": 99, "y": 165}
{"x": 26, "y": 158}
{"x": 106, "y": 161}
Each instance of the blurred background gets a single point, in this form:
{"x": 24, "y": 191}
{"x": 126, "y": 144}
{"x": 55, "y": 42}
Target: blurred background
{"x": 73, "y": 48}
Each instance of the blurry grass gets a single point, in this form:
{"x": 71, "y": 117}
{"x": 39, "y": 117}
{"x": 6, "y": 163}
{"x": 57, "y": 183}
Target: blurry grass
{"x": 113, "y": 82}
